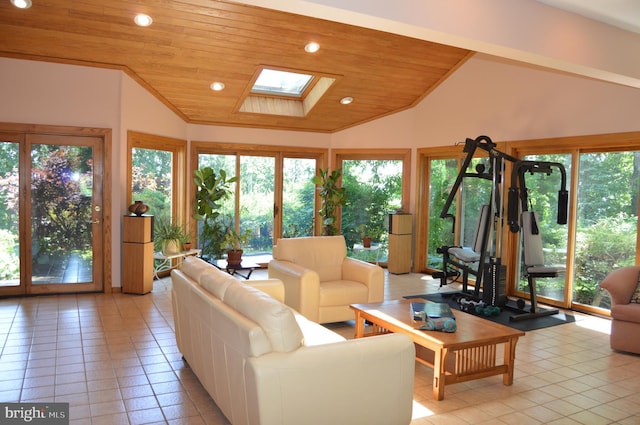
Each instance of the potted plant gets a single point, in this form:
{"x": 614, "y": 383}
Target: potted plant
{"x": 333, "y": 197}
{"x": 211, "y": 190}
{"x": 366, "y": 238}
{"x": 168, "y": 236}
{"x": 233, "y": 243}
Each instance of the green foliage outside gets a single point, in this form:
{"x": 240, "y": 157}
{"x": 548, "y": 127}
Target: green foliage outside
{"x": 298, "y": 197}
{"x": 61, "y": 184}
{"x": 606, "y": 245}
{"x": 151, "y": 180}
{"x": 441, "y": 179}
{"x": 9, "y": 213}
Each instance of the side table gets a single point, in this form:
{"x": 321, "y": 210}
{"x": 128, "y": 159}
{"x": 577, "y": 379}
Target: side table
{"x": 235, "y": 270}
{"x": 374, "y": 248}
{"x": 165, "y": 260}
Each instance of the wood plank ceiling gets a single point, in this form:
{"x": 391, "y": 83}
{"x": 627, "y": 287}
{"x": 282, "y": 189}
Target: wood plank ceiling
{"x": 193, "y": 43}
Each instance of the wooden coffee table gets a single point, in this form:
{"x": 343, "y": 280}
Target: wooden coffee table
{"x": 467, "y": 354}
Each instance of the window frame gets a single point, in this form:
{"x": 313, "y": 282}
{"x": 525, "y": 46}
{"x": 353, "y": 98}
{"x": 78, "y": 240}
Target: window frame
{"x": 178, "y": 149}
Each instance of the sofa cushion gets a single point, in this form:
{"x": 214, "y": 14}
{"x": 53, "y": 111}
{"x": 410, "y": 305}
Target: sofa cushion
{"x": 216, "y": 282}
{"x": 276, "y": 319}
{"x": 342, "y": 292}
{"x": 626, "y": 312}
{"x": 194, "y": 267}
{"x": 635, "y": 297}
{"x": 322, "y": 254}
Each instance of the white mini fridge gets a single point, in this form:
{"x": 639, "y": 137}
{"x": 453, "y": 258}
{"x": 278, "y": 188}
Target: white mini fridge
{"x": 400, "y": 242}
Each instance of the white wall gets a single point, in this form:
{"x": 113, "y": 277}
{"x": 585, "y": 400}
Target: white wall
{"x": 510, "y": 101}
{"x": 55, "y": 94}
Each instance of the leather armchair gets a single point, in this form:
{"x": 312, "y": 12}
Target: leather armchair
{"x": 320, "y": 281}
{"x": 625, "y": 315}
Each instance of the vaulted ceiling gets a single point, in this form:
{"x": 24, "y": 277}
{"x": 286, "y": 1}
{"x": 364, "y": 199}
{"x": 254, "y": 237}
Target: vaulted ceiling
{"x": 193, "y": 43}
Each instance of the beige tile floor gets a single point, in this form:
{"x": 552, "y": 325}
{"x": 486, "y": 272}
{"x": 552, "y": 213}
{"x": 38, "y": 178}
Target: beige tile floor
{"x": 114, "y": 359}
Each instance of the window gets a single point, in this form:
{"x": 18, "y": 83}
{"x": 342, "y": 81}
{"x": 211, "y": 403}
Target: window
{"x": 274, "y": 195}
{"x": 157, "y": 175}
{"x": 281, "y": 83}
{"x": 286, "y": 93}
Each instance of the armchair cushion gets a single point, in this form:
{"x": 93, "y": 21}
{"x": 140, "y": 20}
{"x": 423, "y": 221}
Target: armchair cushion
{"x": 319, "y": 253}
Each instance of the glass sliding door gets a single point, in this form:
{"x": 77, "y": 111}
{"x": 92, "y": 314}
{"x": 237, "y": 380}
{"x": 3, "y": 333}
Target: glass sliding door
{"x": 211, "y": 235}
{"x": 607, "y": 221}
{"x": 542, "y": 190}
{"x": 66, "y": 217}
{"x": 298, "y": 197}
{"x": 442, "y": 175}
{"x": 9, "y": 214}
{"x": 257, "y": 180}
{"x": 52, "y": 231}
{"x": 374, "y": 190}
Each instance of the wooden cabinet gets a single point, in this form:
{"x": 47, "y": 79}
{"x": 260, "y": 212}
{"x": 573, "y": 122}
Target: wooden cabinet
{"x": 137, "y": 254}
{"x": 400, "y": 243}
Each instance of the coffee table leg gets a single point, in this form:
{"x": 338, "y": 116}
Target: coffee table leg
{"x": 439, "y": 373}
{"x": 509, "y": 360}
{"x": 359, "y": 325}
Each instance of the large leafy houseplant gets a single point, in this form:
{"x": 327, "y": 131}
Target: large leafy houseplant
{"x": 211, "y": 191}
{"x": 333, "y": 197}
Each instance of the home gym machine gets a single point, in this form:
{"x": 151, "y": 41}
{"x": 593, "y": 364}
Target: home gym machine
{"x": 483, "y": 259}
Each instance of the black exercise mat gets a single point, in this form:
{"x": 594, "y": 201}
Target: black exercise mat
{"x": 507, "y": 311}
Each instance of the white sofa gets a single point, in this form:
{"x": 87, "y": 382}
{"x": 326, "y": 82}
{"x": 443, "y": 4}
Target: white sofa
{"x": 321, "y": 281}
{"x": 263, "y": 363}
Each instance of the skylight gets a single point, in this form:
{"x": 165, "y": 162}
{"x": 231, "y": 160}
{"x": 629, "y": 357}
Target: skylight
{"x": 281, "y": 83}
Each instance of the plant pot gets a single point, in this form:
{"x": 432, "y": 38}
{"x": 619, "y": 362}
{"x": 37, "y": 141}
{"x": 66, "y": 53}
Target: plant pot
{"x": 170, "y": 247}
{"x": 234, "y": 257}
{"x": 186, "y": 246}
{"x": 366, "y": 242}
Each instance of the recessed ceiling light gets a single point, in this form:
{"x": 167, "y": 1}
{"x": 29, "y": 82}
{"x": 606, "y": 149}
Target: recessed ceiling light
{"x": 22, "y": 4}
{"x": 143, "y": 20}
{"x": 346, "y": 100}
{"x": 217, "y": 86}
{"x": 311, "y": 47}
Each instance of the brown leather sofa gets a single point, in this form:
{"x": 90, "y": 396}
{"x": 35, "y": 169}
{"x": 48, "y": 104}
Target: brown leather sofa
{"x": 625, "y": 314}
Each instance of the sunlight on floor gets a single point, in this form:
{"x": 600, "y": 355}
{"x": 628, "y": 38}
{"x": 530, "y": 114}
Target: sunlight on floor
{"x": 420, "y": 411}
{"x": 594, "y": 323}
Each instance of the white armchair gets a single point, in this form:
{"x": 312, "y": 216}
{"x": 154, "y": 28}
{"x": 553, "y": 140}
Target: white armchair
{"x": 320, "y": 281}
